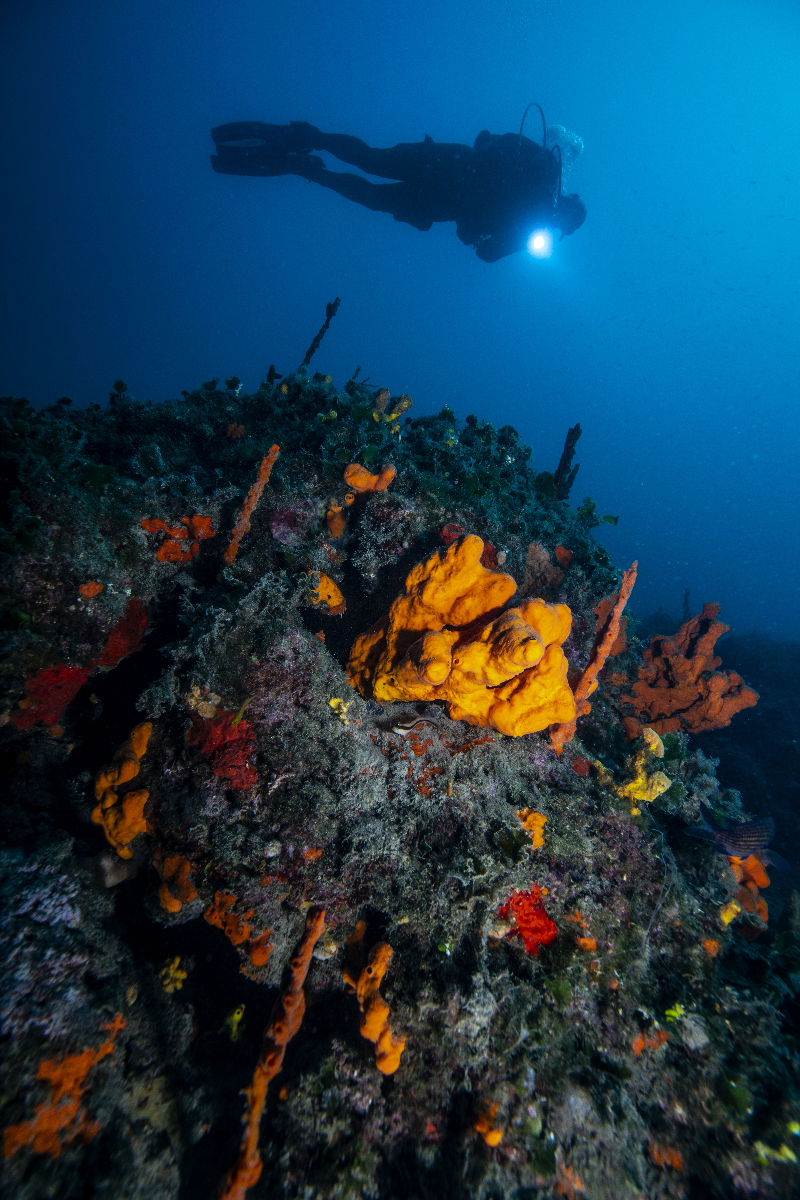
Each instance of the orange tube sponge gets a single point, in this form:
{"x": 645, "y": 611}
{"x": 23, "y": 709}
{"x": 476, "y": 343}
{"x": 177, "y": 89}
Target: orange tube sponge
{"x": 242, "y": 525}
{"x": 607, "y": 637}
{"x": 375, "y": 1010}
{"x": 122, "y": 819}
{"x": 60, "y": 1119}
{"x": 359, "y": 479}
{"x": 336, "y": 521}
{"x": 446, "y": 638}
{"x": 287, "y": 1016}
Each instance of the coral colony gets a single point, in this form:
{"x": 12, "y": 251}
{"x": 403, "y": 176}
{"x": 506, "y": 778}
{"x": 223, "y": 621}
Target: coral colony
{"x": 343, "y": 823}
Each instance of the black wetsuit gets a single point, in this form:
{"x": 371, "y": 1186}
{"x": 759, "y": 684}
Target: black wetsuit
{"x": 497, "y": 191}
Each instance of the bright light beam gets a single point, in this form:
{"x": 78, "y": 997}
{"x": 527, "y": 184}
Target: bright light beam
{"x": 540, "y": 243}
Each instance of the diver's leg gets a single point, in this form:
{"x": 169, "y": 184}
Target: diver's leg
{"x": 352, "y": 187}
{"x": 406, "y": 161}
{"x": 394, "y": 198}
{"x": 265, "y": 162}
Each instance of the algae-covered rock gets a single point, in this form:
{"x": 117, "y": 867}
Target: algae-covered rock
{"x": 643, "y": 1047}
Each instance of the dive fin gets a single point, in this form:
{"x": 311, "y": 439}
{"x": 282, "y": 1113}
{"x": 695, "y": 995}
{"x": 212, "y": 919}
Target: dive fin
{"x": 773, "y": 859}
{"x": 700, "y": 831}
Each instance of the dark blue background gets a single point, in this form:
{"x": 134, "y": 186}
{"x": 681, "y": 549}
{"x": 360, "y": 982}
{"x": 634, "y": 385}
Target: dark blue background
{"x": 667, "y": 325}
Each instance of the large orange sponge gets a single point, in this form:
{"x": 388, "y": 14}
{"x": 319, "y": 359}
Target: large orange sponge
{"x": 446, "y": 638}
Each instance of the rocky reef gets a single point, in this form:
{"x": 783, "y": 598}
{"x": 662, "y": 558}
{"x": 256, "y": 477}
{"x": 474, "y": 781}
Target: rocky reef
{"x": 444, "y": 951}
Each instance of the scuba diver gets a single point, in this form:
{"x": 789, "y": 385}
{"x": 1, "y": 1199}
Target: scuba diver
{"x": 497, "y": 191}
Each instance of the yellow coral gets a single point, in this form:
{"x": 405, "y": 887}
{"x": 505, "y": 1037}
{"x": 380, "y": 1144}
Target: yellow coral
{"x": 172, "y": 976}
{"x": 653, "y": 742}
{"x": 340, "y": 708}
{"x": 122, "y": 819}
{"x": 765, "y": 1154}
{"x": 644, "y": 788}
{"x": 446, "y": 638}
{"x": 728, "y": 912}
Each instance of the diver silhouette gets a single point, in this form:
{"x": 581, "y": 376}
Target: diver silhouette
{"x": 497, "y": 191}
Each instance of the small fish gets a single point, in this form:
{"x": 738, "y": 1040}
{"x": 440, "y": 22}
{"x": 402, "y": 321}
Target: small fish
{"x": 404, "y": 721}
{"x": 740, "y": 840}
{"x": 231, "y": 1023}
{"x": 403, "y": 725}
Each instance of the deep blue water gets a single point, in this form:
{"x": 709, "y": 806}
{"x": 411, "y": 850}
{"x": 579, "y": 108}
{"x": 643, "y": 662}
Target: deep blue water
{"x": 667, "y": 325}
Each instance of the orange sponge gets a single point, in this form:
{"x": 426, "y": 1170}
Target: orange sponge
{"x": 176, "y": 888}
{"x": 336, "y": 521}
{"x": 238, "y": 929}
{"x": 123, "y": 818}
{"x": 446, "y": 638}
{"x": 359, "y": 479}
{"x": 327, "y": 595}
{"x": 61, "y": 1120}
{"x": 375, "y": 1019}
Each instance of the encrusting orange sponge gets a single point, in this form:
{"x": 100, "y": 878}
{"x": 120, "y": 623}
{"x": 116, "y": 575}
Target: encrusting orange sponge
{"x": 238, "y": 929}
{"x": 751, "y": 874}
{"x": 492, "y": 1134}
{"x": 122, "y": 819}
{"x": 533, "y": 822}
{"x": 361, "y": 480}
{"x": 375, "y": 1019}
{"x": 61, "y": 1120}
{"x": 447, "y": 638}
{"x": 176, "y": 888}
{"x": 327, "y": 595}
